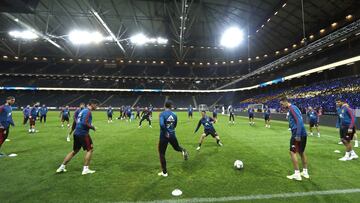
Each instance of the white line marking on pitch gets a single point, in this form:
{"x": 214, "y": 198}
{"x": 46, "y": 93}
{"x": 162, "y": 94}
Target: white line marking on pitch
{"x": 258, "y": 197}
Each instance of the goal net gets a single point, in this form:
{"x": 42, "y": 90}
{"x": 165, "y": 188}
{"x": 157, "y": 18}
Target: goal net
{"x": 256, "y": 107}
{"x": 203, "y": 107}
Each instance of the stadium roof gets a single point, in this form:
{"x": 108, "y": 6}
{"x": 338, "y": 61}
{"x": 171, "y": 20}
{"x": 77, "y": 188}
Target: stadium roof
{"x": 193, "y": 27}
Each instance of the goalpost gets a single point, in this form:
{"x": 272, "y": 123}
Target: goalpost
{"x": 203, "y": 107}
{"x": 256, "y": 107}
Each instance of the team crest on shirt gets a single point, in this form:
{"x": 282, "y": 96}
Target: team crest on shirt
{"x": 170, "y": 119}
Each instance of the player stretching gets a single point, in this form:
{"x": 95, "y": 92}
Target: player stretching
{"x": 231, "y": 114}
{"x": 82, "y": 138}
{"x": 76, "y": 115}
{"x": 168, "y": 121}
{"x": 145, "y": 115}
{"x": 267, "y": 114}
{"x": 297, "y": 140}
{"x": 65, "y": 115}
{"x": 43, "y": 111}
{"x": 34, "y": 112}
{"x": 347, "y": 129}
{"x": 251, "y": 115}
{"x": 313, "y": 120}
{"x": 26, "y": 113}
{"x": 6, "y": 120}
{"x": 190, "y": 112}
{"x": 209, "y": 129}
{"x": 110, "y": 112}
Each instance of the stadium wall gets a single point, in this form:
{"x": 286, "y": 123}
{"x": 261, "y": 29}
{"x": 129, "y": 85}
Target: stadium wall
{"x": 325, "y": 120}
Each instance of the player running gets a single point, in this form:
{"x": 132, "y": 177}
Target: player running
{"x": 231, "y": 114}
{"x": 145, "y": 115}
{"x": 168, "y": 122}
{"x": 6, "y": 120}
{"x": 190, "y": 112}
{"x": 313, "y": 120}
{"x": 65, "y": 116}
{"x": 347, "y": 129}
{"x": 43, "y": 111}
{"x": 26, "y": 113}
{"x": 251, "y": 115}
{"x": 209, "y": 129}
{"x": 76, "y": 115}
{"x": 109, "y": 113}
{"x": 267, "y": 114}
{"x": 34, "y": 112}
{"x": 82, "y": 138}
{"x": 297, "y": 140}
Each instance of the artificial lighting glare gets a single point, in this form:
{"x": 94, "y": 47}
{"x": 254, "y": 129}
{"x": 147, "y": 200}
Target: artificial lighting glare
{"x": 79, "y": 37}
{"x": 141, "y": 39}
{"x": 232, "y": 37}
{"x": 26, "y": 34}
{"x": 334, "y": 24}
{"x": 349, "y": 17}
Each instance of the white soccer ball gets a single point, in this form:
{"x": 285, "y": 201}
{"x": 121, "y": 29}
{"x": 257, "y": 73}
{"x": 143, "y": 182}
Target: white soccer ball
{"x": 238, "y": 164}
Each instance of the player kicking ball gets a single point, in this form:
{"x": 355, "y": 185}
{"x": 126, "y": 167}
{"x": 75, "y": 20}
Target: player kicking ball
{"x": 297, "y": 140}
{"x": 347, "y": 129}
{"x": 82, "y": 138}
{"x": 168, "y": 122}
{"x": 209, "y": 129}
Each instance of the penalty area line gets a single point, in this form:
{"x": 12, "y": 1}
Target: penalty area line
{"x": 258, "y": 197}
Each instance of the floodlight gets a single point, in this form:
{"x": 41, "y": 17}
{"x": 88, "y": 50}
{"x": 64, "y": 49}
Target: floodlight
{"x": 83, "y": 37}
{"x": 26, "y": 34}
{"x": 139, "y": 39}
{"x": 232, "y": 37}
{"x": 161, "y": 40}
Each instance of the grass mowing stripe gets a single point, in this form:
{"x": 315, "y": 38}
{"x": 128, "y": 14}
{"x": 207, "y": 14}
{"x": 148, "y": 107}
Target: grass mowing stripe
{"x": 259, "y": 197}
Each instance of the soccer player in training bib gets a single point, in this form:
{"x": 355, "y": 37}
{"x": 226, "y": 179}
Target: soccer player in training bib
{"x": 231, "y": 114}
{"x": 209, "y": 129}
{"x": 168, "y": 122}
{"x": 6, "y": 120}
{"x": 34, "y": 112}
{"x": 138, "y": 111}
{"x": 313, "y": 121}
{"x": 76, "y": 115}
{"x": 251, "y": 115}
{"x": 190, "y": 112}
{"x": 347, "y": 129}
{"x": 43, "y": 111}
{"x": 109, "y": 113}
{"x": 145, "y": 115}
{"x": 215, "y": 112}
{"x": 297, "y": 140}
{"x": 26, "y": 113}
{"x": 267, "y": 114}
{"x": 65, "y": 116}
{"x": 82, "y": 138}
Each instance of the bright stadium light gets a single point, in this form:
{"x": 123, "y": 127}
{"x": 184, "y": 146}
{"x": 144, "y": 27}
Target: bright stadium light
{"x": 139, "y": 39}
{"x": 26, "y": 34}
{"x": 83, "y": 37}
{"x": 232, "y": 37}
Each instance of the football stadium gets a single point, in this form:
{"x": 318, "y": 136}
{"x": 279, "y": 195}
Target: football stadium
{"x": 179, "y": 101}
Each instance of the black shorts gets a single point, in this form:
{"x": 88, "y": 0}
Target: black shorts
{"x": 190, "y": 113}
{"x": 344, "y": 135}
{"x": 109, "y": 116}
{"x": 211, "y": 132}
{"x": 251, "y": 116}
{"x": 313, "y": 123}
{"x": 298, "y": 146}
{"x": 267, "y": 118}
{"x": 65, "y": 118}
{"x": 73, "y": 126}
{"x": 32, "y": 121}
{"x": 82, "y": 141}
{"x": 3, "y": 136}
{"x": 214, "y": 115}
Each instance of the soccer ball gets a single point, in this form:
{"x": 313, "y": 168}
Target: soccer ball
{"x": 238, "y": 164}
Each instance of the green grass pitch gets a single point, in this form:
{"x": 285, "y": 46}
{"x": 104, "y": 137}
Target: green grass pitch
{"x": 126, "y": 162}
